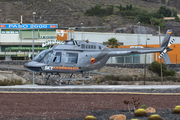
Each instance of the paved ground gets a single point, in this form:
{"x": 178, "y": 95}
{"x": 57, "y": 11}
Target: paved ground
{"x": 114, "y": 87}
{"x": 128, "y": 89}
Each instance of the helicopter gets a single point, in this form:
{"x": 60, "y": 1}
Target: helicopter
{"x": 77, "y": 56}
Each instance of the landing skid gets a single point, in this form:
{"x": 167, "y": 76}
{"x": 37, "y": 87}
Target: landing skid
{"x": 60, "y": 79}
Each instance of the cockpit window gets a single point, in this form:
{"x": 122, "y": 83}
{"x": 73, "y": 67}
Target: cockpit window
{"x": 57, "y": 58}
{"x": 48, "y": 57}
{"x": 40, "y": 55}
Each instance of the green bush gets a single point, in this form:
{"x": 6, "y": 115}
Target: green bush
{"x": 156, "y": 67}
{"x": 144, "y": 106}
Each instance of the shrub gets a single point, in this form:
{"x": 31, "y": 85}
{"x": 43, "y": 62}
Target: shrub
{"x": 135, "y": 102}
{"x": 89, "y": 117}
{"x": 140, "y": 113}
{"x": 109, "y": 77}
{"x": 110, "y": 82}
{"x": 144, "y": 106}
{"x": 176, "y": 109}
{"x": 156, "y": 67}
{"x": 155, "y": 117}
{"x": 172, "y": 78}
{"x": 115, "y": 83}
{"x": 7, "y": 82}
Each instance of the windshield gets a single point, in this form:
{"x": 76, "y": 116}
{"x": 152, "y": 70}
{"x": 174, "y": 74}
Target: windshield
{"x": 47, "y": 58}
{"x": 40, "y": 55}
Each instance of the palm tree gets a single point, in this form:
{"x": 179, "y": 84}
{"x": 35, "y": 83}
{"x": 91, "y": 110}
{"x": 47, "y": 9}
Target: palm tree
{"x": 113, "y": 42}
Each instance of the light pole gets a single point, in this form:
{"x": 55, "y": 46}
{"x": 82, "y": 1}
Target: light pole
{"x": 34, "y": 13}
{"x": 161, "y": 57}
{"x": 19, "y": 30}
{"x": 40, "y": 20}
{"x": 138, "y": 34}
{"x": 145, "y": 63}
{"x": 82, "y": 31}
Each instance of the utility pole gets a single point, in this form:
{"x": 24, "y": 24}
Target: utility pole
{"x": 34, "y": 13}
{"x": 82, "y": 31}
{"x": 145, "y": 62}
{"x": 161, "y": 57}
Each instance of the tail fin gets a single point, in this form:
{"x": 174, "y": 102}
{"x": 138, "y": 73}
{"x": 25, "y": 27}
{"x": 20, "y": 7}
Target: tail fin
{"x": 165, "y": 45}
{"x": 166, "y": 38}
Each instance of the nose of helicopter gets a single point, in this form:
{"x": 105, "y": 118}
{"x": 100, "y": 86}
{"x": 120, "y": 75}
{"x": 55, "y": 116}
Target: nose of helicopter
{"x": 34, "y": 66}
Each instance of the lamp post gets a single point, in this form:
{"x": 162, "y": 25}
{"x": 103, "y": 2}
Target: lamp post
{"x": 40, "y": 20}
{"x": 138, "y": 34}
{"x": 82, "y": 31}
{"x": 145, "y": 63}
{"x": 19, "y": 30}
{"x": 34, "y": 13}
{"x": 161, "y": 57}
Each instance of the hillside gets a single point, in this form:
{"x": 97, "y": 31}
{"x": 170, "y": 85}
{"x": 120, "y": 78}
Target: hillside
{"x": 71, "y": 12}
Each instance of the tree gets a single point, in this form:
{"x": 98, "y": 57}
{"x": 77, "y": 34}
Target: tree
{"x": 130, "y": 7}
{"x": 155, "y": 21}
{"x": 119, "y": 7}
{"x": 165, "y": 11}
{"x": 145, "y": 17}
{"x": 113, "y": 42}
{"x": 127, "y": 7}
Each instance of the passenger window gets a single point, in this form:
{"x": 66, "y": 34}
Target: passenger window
{"x": 71, "y": 57}
{"x": 57, "y": 58}
{"x": 91, "y": 46}
{"x": 100, "y": 47}
{"x": 94, "y": 47}
{"x": 82, "y": 45}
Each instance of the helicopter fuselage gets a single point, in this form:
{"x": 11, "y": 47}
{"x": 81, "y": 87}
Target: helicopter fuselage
{"x": 71, "y": 57}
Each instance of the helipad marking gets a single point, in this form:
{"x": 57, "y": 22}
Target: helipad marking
{"x": 129, "y": 93}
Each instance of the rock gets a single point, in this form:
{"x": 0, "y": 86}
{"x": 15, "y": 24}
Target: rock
{"x": 150, "y": 110}
{"x": 113, "y": 116}
{"x": 118, "y": 117}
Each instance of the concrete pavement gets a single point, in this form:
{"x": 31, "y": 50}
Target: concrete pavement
{"x": 99, "y": 87}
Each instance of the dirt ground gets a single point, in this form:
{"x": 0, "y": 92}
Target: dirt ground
{"x": 72, "y": 106}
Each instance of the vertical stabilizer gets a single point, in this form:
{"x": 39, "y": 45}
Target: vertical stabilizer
{"x": 166, "y": 38}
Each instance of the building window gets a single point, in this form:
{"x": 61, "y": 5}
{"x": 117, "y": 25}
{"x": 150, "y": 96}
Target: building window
{"x": 9, "y": 32}
{"x": 71, "y": 57}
